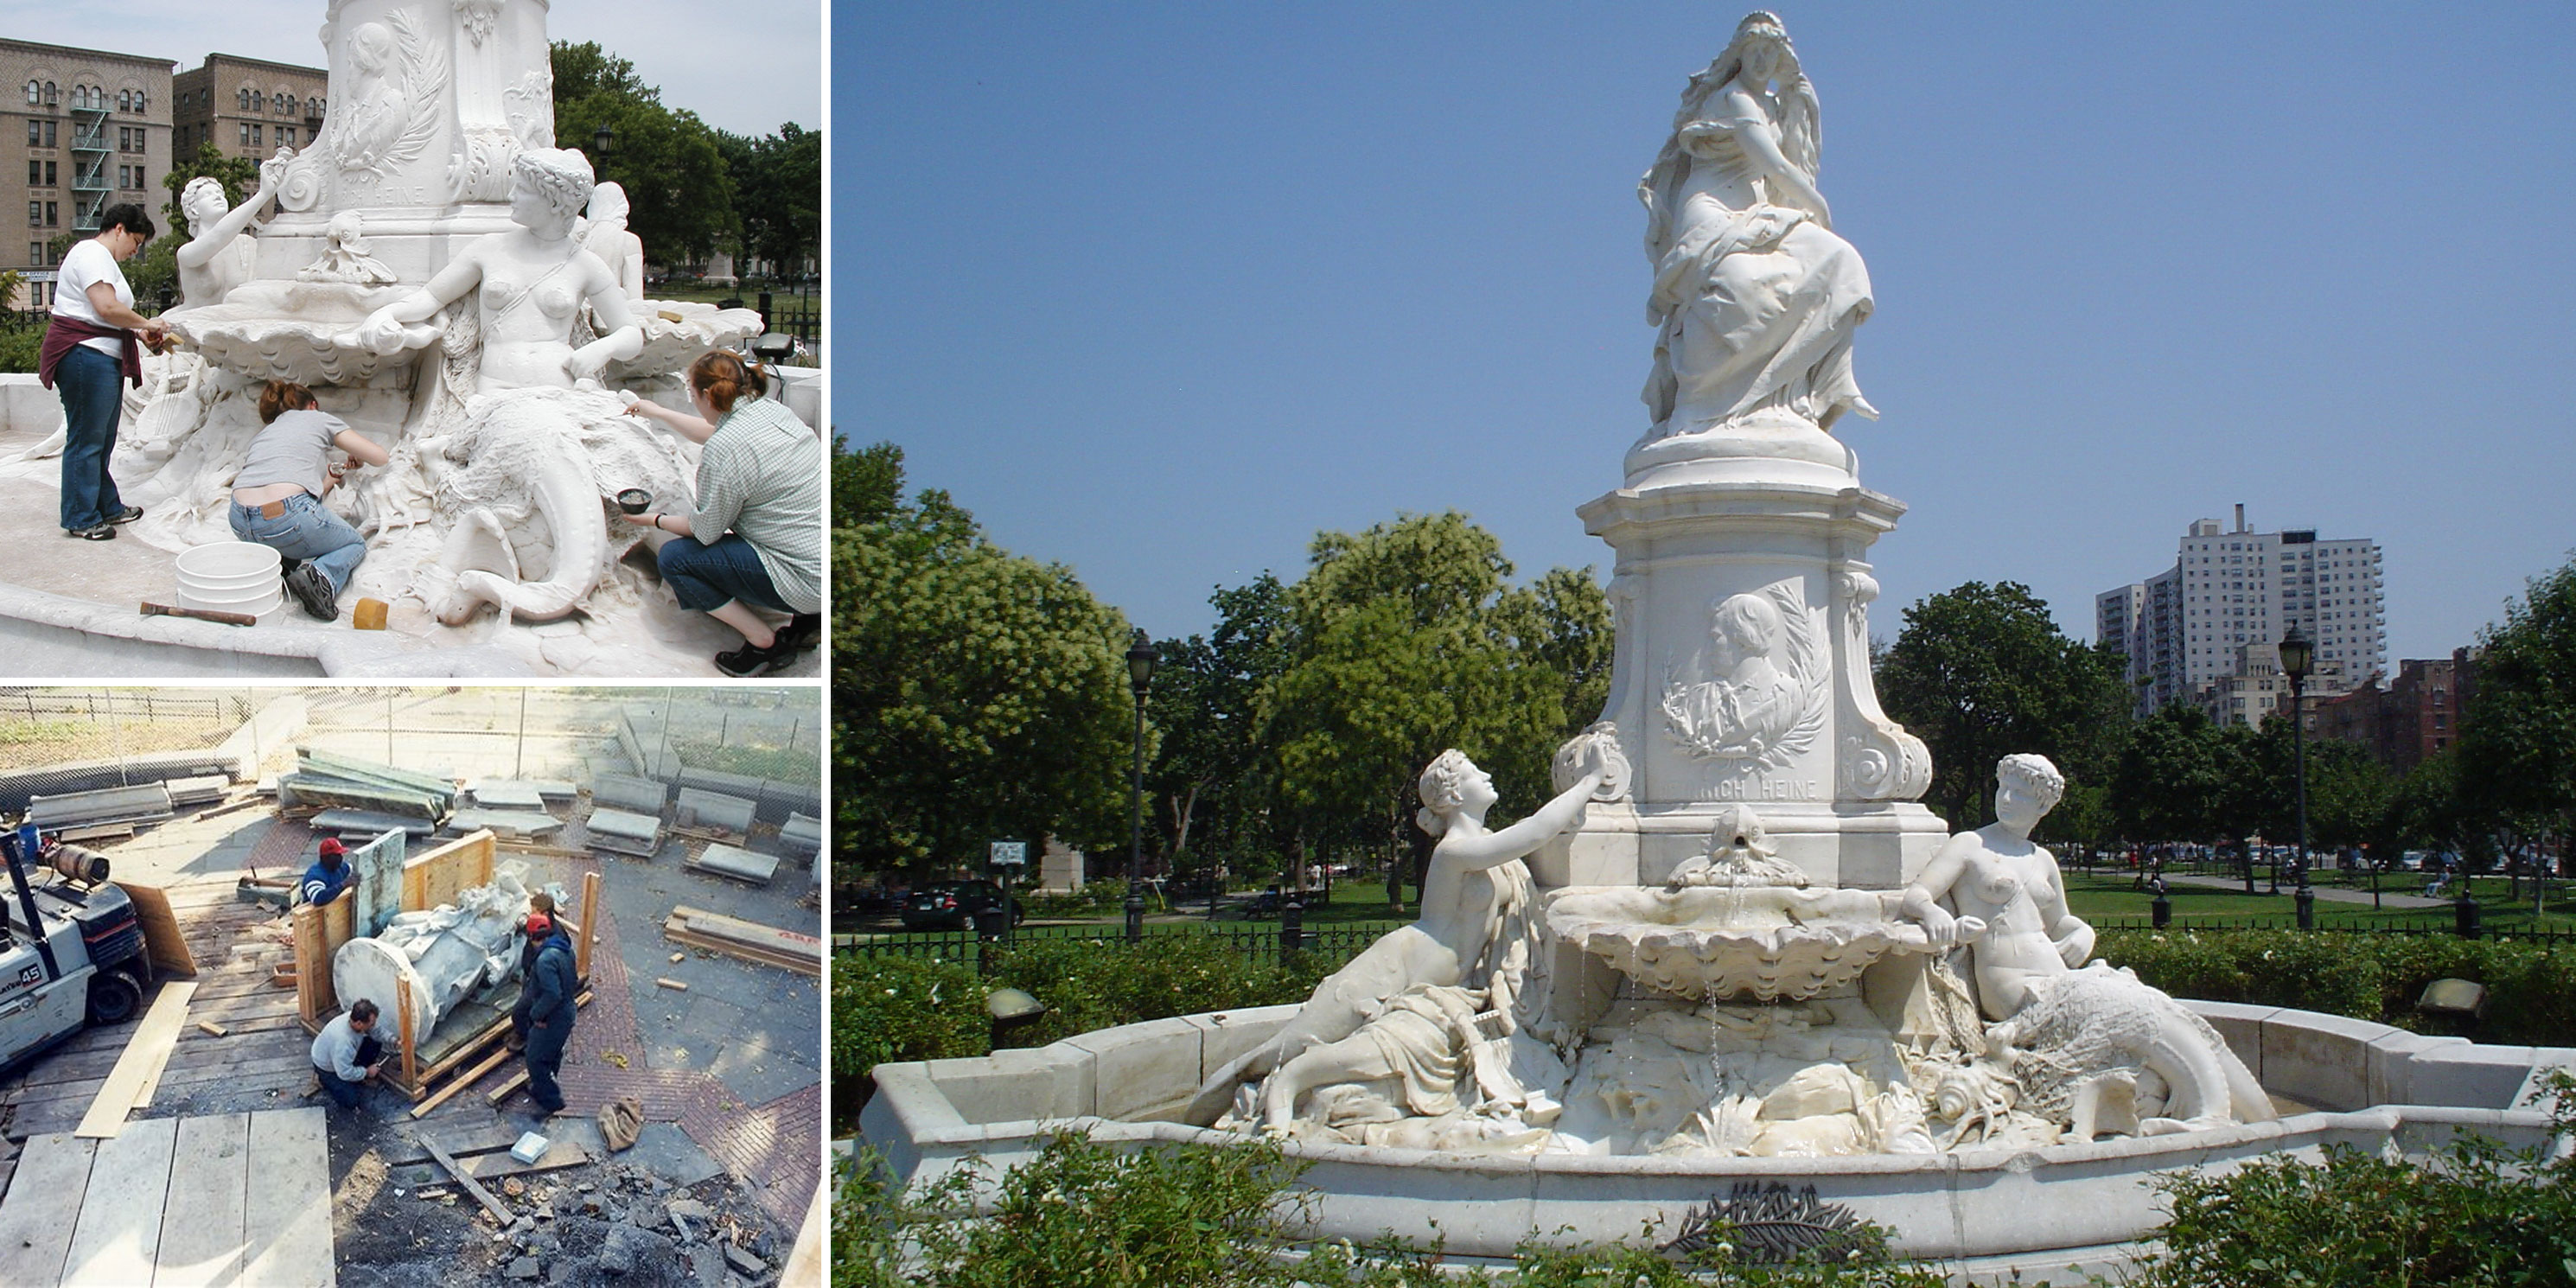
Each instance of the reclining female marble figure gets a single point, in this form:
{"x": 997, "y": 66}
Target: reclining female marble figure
{"x": 2077, "y": 1029}
{"x": 539, "y": 448}
{"x": 532, "y": 283}
{"x": 1421, "y": 989}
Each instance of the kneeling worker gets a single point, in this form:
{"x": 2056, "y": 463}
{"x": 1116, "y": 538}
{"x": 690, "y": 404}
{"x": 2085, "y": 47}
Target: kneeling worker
{"x": 277, "y": 497}
{"x": 345, "y": 1056}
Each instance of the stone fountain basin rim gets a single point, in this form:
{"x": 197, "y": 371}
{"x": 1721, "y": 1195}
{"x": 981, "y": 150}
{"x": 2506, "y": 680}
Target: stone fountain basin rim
{"x": 1972, "y": 1205}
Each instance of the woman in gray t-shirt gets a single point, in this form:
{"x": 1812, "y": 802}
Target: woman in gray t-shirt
{"x": 277, "y": 496}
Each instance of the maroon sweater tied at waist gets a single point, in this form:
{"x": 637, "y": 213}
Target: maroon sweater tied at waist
{"x": 63, "y": 333}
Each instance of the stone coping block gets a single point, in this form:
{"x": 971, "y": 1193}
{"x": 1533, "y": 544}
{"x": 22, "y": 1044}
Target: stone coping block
{"x": 2038, "y": 1210}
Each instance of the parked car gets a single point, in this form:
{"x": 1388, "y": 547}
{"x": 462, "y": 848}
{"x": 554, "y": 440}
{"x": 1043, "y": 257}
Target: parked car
{"x": 952, "y": 905}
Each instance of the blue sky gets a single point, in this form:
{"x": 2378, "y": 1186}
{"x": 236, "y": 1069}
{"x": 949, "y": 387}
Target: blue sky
{"x": 1159, "y": 291}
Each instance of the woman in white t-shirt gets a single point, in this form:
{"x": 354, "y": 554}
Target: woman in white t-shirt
{"x": 90, "y": 342}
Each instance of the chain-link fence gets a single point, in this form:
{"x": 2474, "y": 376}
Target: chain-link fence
{"x": 764, "y": 745}
{"x": 48, "y": 726}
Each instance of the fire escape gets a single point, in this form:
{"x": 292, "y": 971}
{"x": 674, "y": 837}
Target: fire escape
{"x": 90, "y": 149}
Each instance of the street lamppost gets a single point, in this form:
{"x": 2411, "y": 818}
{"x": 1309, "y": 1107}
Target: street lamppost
{"x": 2296, "y": 655}
{"x": 1140, "y": 677}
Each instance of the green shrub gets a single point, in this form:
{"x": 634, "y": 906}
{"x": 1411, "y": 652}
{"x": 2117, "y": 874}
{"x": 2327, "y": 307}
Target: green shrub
{"x": 2531, "y": 988}
{"x": 2472, "y": 1213}
{"x": 904, "y": 1008}
{"x": 1087, "y": 1215}
{"x": 1095, "y": 984}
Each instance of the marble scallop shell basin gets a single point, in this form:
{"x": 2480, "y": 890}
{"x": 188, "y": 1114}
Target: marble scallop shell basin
{"x": 1718, "y": 942}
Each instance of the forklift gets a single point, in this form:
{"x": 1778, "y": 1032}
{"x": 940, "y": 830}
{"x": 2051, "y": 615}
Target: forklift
{"x": 73, "y": 953}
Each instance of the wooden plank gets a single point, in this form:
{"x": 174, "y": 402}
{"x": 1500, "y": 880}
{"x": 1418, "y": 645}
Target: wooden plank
{"x": 441, "y": 874}
{"x": 497, "y": 1164}
{"x": 588, "y": 933}
{"x": 672, "y": 984}
{"x": 145, "y": 1053}
{"x": 729, "y": 948}
{"x": 117, "y": 1239}
{"x": 212, "y": 1029}
{"x": 201, "y": 1235}
{"x": 162, "y": 941}
{"x": 312, "y": 971}
{"x": 500, "y": 1212}
{"x": 43, "y": 1204}
{"x": 461, "y": 1081}
{"x": 805, "y": 1261}
{"x": 408, "y": 1039}
{"x": 286, "y": 1221}
{"x": 508, "y": 1088}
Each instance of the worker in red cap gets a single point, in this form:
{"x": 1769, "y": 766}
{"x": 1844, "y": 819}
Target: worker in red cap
{"x": 328, "y": 876}
{"x": 539, "y": 926}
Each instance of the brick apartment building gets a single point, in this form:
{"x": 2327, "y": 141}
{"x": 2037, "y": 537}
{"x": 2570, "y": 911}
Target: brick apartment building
{"x": 247, "y": 107}
{"x": 85, "y": 130}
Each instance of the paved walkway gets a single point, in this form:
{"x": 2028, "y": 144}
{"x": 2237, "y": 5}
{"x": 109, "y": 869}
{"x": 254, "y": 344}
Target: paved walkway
{"x": 2388, "y": 891}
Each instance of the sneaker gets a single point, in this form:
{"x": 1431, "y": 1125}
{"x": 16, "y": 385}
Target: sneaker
{"x": 94, "y": 532}
{"x": 749, "y": 660}
{"x": 313, "y": 590}
{"x": 127, "y": 515}
{"x": 802, "y": 633}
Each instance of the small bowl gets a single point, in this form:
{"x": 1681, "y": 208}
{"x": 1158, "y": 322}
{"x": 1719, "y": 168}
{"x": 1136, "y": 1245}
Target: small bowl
{"x": 633, "y": 500}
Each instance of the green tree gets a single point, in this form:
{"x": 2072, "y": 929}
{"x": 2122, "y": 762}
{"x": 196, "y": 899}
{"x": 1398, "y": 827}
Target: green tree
{"x": 2517, "y": 748}
{"x": 1212, "y": 765}
{"x": 867, "y": 483}
{"x": 676, "y": 180}
{"x": 1981, "y": 672}
{"x": 976, "y": 694}
{"x": 778, "y": 193}
{"x": 239, "y": 175}
{"x": 1407, "y": 639}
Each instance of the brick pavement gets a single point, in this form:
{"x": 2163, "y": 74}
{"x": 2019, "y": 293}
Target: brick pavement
{"x": 774, "y": 1149}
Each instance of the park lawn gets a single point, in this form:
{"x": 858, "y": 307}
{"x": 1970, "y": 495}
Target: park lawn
{"x": 2113, "y": 899}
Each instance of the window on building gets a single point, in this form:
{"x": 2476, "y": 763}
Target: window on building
{"x": 35, "y": 92}
{"x": 53, "y": 214}
{"x": 52, "y": 97}
{"x": 245, "y": 134}
{"x": 286, "y": 136}
{"x": 241, "y": 100}
{"x": 285, "y": 103}
{"x": 35, "y": 173}
{"x": 36, "y": 216}
{"x": 139, "y": 102}
{"x": 125, "y": 100}
{"x": 256, "y": 129}
{"x": 49, "y": 134}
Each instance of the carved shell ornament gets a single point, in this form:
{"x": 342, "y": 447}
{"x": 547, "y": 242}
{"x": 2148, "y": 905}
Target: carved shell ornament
{"x": 1765, "y": 700}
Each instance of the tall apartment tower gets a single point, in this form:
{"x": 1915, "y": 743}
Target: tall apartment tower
{"x": 2187, "y": 627}
{"x": 89, "y": 129}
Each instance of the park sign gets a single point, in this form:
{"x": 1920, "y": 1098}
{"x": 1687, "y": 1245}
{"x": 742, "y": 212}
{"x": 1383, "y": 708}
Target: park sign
{"x": 1010, "y": 854}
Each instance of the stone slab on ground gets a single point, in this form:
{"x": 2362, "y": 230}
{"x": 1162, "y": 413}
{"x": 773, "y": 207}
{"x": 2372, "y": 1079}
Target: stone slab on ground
{"x": 505, "y": 822}
{"x": 699, "y": 808}
{"x": 668, "y": 1152}
{"x": 627, "y": 792}
{"x": 740, "y": 864}
{"x": 506, "y": 794}
{"x": 618, "y": 823}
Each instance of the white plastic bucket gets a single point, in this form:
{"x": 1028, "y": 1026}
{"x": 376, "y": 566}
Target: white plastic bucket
{"x": 231, "y": 577}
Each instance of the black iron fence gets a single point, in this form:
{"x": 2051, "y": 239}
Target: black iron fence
{"x": 1333, "y": 944}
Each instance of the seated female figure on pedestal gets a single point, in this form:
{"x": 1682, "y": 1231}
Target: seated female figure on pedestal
{"x": 1755, "y": 297}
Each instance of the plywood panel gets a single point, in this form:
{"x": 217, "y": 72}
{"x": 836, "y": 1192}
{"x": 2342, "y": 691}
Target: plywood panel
{"x": 201, "y": 1234}
{"x": 441, "y": 874}
{"x": 286, "y": 1222}
{"x": 319, "y": 935}
{"x": 118, "y": 1237}
{"x": 145, "y": 1053}
{"x": 162, "y": 941}
{"x": 43, "y": 1204}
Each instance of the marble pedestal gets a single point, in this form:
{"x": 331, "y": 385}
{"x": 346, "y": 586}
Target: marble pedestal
{"x": 1740, "y": 599}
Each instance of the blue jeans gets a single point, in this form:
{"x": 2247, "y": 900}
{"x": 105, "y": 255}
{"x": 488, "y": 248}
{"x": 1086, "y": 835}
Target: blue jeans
{"x": 343, "y": 1092}
{"x": 306, "y": 531}
{"x": 88, "y": 382}
{"x": 707, "y": 577}
{"x": 545, "y": 1059}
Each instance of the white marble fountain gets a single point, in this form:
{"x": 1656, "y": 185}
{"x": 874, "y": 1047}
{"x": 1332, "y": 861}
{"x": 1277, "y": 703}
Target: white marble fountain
{"x": 457, "y": 288}
{"x": 1732, "y": 950}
